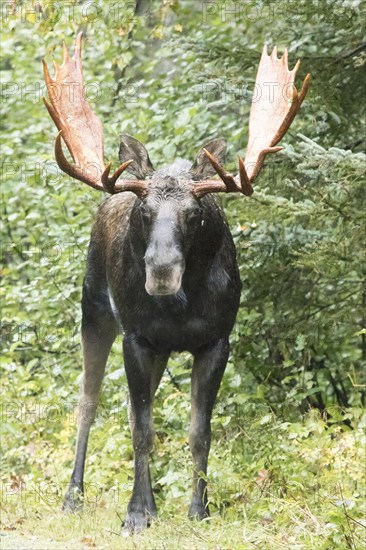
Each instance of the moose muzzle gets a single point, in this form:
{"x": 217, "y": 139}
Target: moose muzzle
{"x": 164, "y": 280}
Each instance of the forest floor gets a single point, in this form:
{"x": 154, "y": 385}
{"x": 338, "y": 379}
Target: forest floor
{"x": 295, "y": 525}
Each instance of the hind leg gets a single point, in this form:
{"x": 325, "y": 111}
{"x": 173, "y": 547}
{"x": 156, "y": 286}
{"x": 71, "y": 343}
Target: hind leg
{"x": 99, "y": 330}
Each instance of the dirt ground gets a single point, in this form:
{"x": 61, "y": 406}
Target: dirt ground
{"x": 17, "y": 541}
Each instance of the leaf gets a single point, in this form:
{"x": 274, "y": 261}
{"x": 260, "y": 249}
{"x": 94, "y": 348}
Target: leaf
{"x": 300, "y": 342}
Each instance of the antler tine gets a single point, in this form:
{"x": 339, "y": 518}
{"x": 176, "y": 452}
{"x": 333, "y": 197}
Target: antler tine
{"x": 305, "y": 85}
{"x": 295, "y": 69}
{"x": 274, "y": 53}
{"x": 109, "y": 182}
{"x": 78, "y": 50}
{"x": 246, "y": 186}
{"x": 284, "y": 58}
{"x": 78, "y": 46}
{"x": 113, "y": 185}
{"x": 65, "y": 53}
{"x": 304, "y": 89}
{"x": 227, "y": 178}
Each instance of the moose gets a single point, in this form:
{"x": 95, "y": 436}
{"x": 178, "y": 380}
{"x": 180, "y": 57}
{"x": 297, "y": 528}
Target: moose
{"x": 161, "y": 265}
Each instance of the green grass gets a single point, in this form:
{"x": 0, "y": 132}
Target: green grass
{"x": 274, "y": 482}
{"x": 274, "y": 522}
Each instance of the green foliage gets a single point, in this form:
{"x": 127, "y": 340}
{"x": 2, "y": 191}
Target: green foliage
{"x": 304, "y": 279}
{"x": 286, "y": 463}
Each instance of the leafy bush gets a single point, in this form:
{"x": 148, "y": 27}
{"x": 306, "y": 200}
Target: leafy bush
{"x": 289, "y": 423}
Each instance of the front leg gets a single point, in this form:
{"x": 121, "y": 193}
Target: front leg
{"x": 99, "y": 330}
{"x": 144, "y": 370}
{"x": 208, "y": 368}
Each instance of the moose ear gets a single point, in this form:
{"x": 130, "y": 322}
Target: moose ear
{"x": 131, "y": 148}
{"x": 202, "y": 167}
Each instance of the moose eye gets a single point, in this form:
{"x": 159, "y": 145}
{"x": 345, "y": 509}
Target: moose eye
{"x": 194, "y": 215}
{"x": 145, "y": 213}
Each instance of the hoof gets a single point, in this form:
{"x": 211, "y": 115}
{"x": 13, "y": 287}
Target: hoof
{"x": 136, "y": 522}
{"x": 74, "y": 499}
{"x": 198, "y": 512}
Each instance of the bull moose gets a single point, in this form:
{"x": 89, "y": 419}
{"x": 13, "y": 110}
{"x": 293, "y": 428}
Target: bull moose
{"x": 161, "y": 264}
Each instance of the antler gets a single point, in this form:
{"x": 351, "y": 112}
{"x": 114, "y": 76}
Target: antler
{"x": 81, "y": 129}
{"x": 275, "y": 104}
